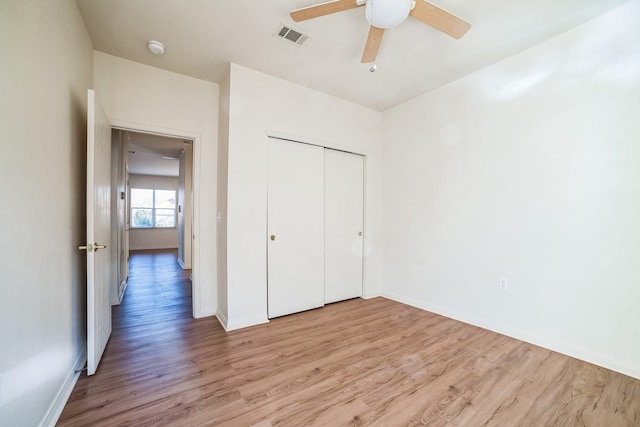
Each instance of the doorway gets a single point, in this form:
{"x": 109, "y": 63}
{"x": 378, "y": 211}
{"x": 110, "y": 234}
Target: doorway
{"x": 152, "y": 177}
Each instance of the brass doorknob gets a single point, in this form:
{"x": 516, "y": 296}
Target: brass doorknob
{"x": 92, "y": 247}
{"x": 273, "y": 237}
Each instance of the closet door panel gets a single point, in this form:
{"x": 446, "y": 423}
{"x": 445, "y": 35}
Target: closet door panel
{"x": 344, "y": 205}
{"x": 295, "y": 227}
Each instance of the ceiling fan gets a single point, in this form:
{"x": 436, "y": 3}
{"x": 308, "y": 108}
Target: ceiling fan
{"x": 382, "y": 14}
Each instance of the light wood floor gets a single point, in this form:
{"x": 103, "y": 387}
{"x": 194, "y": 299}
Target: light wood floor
{"x": 359, "y": 362}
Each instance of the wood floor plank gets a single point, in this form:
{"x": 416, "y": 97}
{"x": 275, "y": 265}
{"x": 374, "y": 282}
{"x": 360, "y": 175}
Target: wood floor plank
{"x": 356, "y": 363}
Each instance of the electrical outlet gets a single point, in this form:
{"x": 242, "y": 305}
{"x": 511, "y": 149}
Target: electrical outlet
{"x": 504, "y": 284}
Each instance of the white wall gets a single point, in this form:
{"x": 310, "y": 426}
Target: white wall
{"x": 153, "y": 238}
{"x": 46, "y": 57}
{"x": 140, "y": 97}
{"x": 261, "y": 103}
{"x": 528, "y": 170}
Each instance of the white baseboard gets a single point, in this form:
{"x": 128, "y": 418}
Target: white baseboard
{"x": 55, "y": 409}
{"x": 183, "y": 265}
{"x": 584, "y": 355}
{"x": 244, "y": 323}
{"x": 222, "y": 319}
{"x": 372, "y": 295}
{"x": 204, "y": 312}
{"x": 122, "y": 289}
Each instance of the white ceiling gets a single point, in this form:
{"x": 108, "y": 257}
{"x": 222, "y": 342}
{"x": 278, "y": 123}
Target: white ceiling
{"x": 202, "y": 36}
{"x": 153, "y": 154}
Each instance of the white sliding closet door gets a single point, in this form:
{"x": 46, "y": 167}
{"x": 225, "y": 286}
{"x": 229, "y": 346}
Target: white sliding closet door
{"x": 344, "y": 204}
{"x": 295, "y": 227}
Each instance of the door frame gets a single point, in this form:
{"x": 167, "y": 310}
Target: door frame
{"x": 196, "y": 299}
{"x": 119, "y": 239}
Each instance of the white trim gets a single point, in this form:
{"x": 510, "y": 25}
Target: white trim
{"x": 577, "y": 353}
{"x": 205, "y": 311}
{"x": 196, "y": 137}
{"x": 319, "y": 143}
{"x": 222, "y": 319}
{"x": 244, "y": 323}
{"x": 122, "y": 289}
{"x": 372, "y": 295}
{"x": 183, "y": 265}
{"x": 62, "y": 396}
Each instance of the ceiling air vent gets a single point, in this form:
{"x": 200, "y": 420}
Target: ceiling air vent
{"x": 285, "y": 32}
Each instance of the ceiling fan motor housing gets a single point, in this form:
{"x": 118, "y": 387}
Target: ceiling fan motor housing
{"x": 387, "y": 13}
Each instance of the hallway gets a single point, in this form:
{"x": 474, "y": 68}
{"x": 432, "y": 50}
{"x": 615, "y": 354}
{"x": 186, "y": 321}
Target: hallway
{"x": 147, "y": 356}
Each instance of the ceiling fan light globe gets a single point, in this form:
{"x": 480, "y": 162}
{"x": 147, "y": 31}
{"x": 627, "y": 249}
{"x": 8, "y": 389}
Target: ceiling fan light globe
{"x": 387, "y": 13}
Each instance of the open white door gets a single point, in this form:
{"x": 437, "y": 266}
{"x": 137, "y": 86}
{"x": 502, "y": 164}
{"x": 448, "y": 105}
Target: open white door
{"x": 98, "y": 233}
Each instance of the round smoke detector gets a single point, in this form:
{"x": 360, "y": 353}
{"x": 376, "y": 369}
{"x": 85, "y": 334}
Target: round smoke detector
{"x": 155, "y": 47}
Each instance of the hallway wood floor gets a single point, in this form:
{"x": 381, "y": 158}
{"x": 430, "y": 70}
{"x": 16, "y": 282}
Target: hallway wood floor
{"x": 359, "y": 362}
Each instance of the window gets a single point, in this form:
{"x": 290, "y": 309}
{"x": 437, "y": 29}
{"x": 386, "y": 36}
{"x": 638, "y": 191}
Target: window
{"x": 152, "y": 208}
